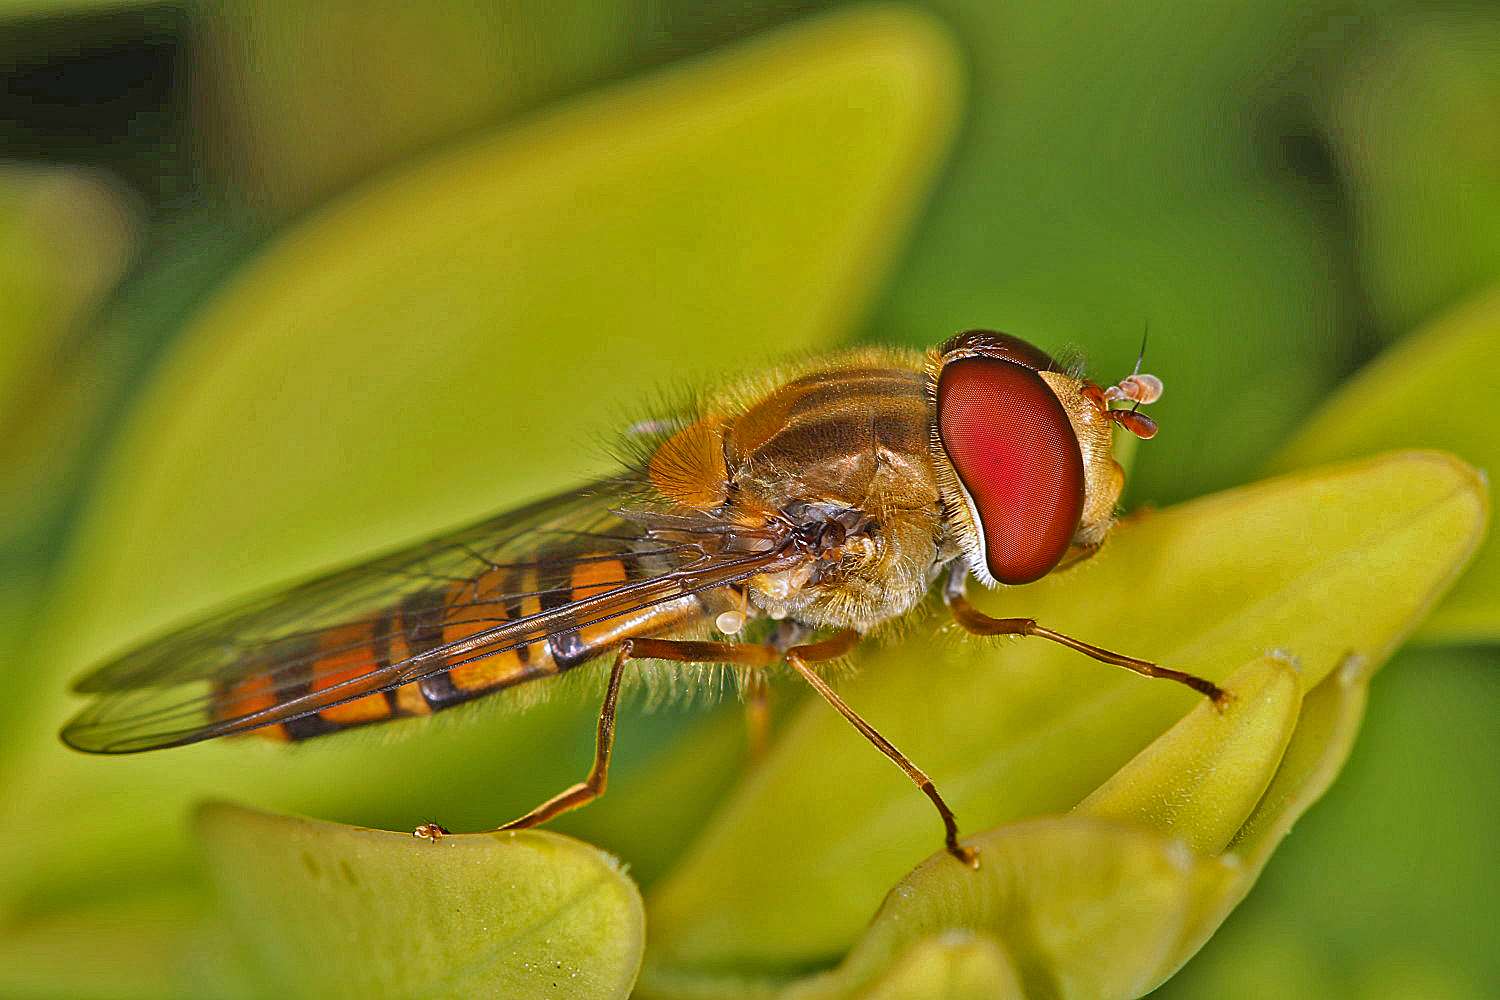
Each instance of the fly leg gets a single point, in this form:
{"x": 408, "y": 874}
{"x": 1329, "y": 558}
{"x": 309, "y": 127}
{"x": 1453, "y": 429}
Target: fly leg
{"x": 833, "y": 648}
{"x": 742, "y": 654}
{"x": 979, "y": 623}
{"x": 593, "y": 786}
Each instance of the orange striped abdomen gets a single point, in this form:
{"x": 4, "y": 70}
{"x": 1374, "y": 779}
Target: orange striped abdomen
{"x": 431, "y": 619}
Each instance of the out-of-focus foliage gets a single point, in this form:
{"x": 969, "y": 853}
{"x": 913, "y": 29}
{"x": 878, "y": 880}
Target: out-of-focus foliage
{"x": 1411, "y": 118}
{"x": 498, "y": 59}
{"x": 64, "y": 241}
{"x": 65, "y": 238}
{"x": 66, "y": 235}
{"x": 369, "y": 305}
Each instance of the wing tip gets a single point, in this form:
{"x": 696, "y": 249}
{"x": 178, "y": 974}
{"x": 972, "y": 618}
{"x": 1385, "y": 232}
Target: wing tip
{"x": 75, "y": 736}
{"x": 103, "y": 739}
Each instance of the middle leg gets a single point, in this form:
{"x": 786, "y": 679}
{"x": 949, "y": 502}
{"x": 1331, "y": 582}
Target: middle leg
{"x": 594, "y": 784}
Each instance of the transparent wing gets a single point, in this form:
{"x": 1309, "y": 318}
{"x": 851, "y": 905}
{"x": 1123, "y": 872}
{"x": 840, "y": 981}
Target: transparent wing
{"x": 497, "y": 586}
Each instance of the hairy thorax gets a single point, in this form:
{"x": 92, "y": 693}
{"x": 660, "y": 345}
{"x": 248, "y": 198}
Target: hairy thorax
{"x": 843, "y": 452}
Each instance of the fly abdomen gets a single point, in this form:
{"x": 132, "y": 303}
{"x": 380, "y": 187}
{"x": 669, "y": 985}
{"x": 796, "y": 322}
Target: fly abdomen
{"x": 589, "y": 579}
{"x": 426, "y": 623}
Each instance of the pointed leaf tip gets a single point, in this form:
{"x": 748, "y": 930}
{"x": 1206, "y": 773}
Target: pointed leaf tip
{"x": 1201, "y": 779}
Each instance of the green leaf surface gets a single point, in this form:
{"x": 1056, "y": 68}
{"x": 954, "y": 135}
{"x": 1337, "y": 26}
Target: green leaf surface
{"x": 1200, "y": 779}
{"x": 1015, "y": 729}
{"x": 1326, "y": 726}
{"x": 1084, "y": 907}
{"x": 1414, "y": 396}
{"x": 114, "y": 950}
{"x": 326, "y": 910}
{"x": 443, "y": 344}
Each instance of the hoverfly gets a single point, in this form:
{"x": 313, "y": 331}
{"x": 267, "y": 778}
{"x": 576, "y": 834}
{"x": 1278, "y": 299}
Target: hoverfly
{"x": 778, "y": 521}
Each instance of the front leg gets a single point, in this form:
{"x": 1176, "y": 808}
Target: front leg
{"x": 979, "y": 623}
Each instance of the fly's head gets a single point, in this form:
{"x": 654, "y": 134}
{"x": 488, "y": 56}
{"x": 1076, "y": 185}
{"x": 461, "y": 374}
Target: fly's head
{"x": 1023, "y": 452}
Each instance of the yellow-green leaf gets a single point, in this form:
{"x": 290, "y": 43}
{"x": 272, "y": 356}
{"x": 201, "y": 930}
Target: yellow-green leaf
{"x": 1082, "y": 907}
{"x": 1200, "y": 780}
{"x": 1417, "y": 394}
{"x": 949, "y": 966}
{"x": 325, "y": 910}
{"x": 1326, "y": 727}
{"x": 1223, "y": 761}
{"x": 1329, "y": 562}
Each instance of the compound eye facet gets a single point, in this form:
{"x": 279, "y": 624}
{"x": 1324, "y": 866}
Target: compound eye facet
{"x": 1018, "y": 459}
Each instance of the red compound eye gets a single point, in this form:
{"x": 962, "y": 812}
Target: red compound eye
{"x": 994, "y": 344}
{"x": 1015, "y": 452}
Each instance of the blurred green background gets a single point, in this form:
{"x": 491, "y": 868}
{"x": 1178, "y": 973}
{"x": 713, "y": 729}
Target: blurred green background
{"x": 282, "y": 285}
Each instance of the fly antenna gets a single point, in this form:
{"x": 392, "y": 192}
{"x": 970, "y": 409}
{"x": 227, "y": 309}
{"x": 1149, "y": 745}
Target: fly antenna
{"x": 1136, "y": 388}
{"x": 1140, "y": 357}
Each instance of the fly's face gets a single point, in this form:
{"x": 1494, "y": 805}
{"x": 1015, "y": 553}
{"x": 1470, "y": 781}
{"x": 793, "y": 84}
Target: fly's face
{"x": 1024, "y": 454}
